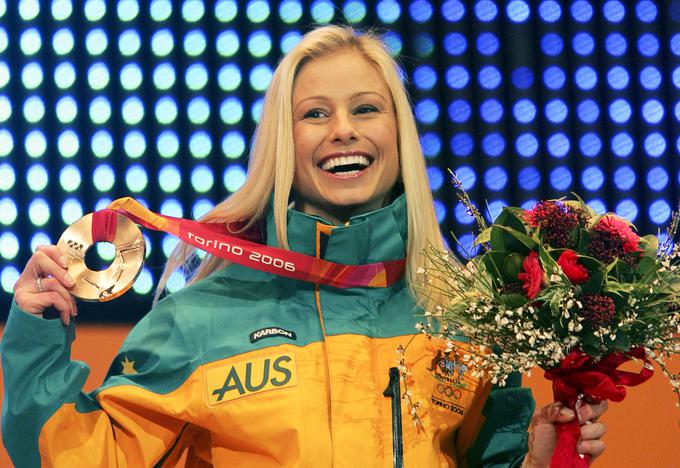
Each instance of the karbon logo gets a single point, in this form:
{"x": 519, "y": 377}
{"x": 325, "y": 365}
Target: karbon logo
{"x": 238, "y": 251}
{"x": 227, "y": 383}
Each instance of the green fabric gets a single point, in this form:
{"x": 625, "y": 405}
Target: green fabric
{"x": 213, "y": 320}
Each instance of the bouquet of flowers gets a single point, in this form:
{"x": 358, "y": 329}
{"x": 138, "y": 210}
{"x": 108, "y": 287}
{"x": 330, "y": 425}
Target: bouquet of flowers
{"x": 562, "y": 288}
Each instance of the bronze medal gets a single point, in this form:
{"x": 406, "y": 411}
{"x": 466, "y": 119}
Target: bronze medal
{"x": 104, "y": 285}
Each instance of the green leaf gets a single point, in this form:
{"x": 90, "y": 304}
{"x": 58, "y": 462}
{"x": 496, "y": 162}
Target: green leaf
{"x": 512, "y": 265}
{"x": 512, "y": 301}
{"x": 583, "y": 240}
{"x": 483, "y": 237}
{"x": 594, "y": 283}
{"x": 650, "y": 245}
{"x": 622, "y": 342}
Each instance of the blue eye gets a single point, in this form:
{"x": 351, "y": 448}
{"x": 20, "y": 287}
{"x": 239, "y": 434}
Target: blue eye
{"x": 314, "y": 114}
{"x": 365, "y": 109}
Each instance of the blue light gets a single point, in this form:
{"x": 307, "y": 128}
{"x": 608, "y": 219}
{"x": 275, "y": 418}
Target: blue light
{"x": 431, "y": 144}
{"x": 624, "y": 178}
{"x": 462, "y": 215}
{"x": 489, "y": 77}
{"x": 583, "y": 43}
{"x": 234, "y": 177}
{"x": 655, "y": 145}
{"x": 616, "y": 44}
{"x": 622, "y": 145}
{"x": 455, "y": 44}
{"x": 650, "y": 78}
{"x": 233, "y": 145}
{"x": 388, "y": 11}
{"x": 71, "y": 211}
{"x": 491, "y": 110}
{"x": 597, "y": 206}
{"x": 487, "y": 43}
{"x": 659, "y": 211}
{"x": 556, "y": 111}
{"x": 467, "y": 177}
{"x": 7, "y": 177}
{"x": 646, "y": 11}
{"x": 590, "y": 144}
{"x": 227, "y": 43}
{"x": 554, "y": 77}
{"x": 493, "y": 144}
{"x": 592, "y": 178}
{"x": 552, "y": 44}
{"x": 486, "y": 10}
{"x": 322, "y": 11}
{"x": 560, "y": 178}
{"x": 136, "y": 178}
{"x": 167, "y": 144}
{"x": 202, "y": 178}
{"x": 8, "y": 211}
{"x": 354, "y": 11}
{"x": 39, "y": 238}
{"x": 677, "y": 111}
{"x": 436, "y": 177}
{"x": 627, "y": 209}
{"x": 198, "y": 110}
{"x": 465, "y": 248}
{"x": 103, "y": 178}
{"x": 588, "y": 111}
{"x": 290, "y": 40}
{"x": 39, "y": 212}
{"x": 259, "y": 43}
{"x": 524, "y": 111}
{"x": 522, "y": 77}
{"x": 495, "y": 178}
{"x": 648, "y": 45}
{"x": 652, "y": 111}
{"x": 620, "y": 111}
{"x": 257, "y": 10}
{"x": 618, "y": 77}
{"x": 231, "y": 111}
{"x": 172, "y": 208}
{"x": 614, "y": 11}
{"x": 457, "y": 77}
{"x": 439, "y": 210}
{"x": 675, "y": 44}
{"x": 8, "y": 278}
{"x": 586, "y": 77}
{"x": 290, "y": 11}
{"x": 529, "y": 178}
{"x": 427, "y": 111}
{"x": 453, "y": 10}
{"x": 462, "y": 144}
{"x": 424, "y": 77}
{"x": 526, "y": 145}
{"x": 393, "y": 43}
{"x": 423, "y": 44}
{"x": 518, "y": 11}
{"x": 9, "y": 245}
{"x": 558, "y": 145}
{"x": 550, "y": 11}
{"x": 420, "y": 11}
{"x": 494, "y": 209}
{"x": 676, "y": 77}
{"x": 657, "y": 178}
{"x": 200, "y": 144}
{"x": 581, "y": 11}
{"x": 201, "y": 208}
{"x": 260, "y": 77}
{"x": 229, "y": 77}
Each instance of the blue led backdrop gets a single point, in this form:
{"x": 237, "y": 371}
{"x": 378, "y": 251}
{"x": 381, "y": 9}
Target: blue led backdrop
{"x": 158, "y": 100}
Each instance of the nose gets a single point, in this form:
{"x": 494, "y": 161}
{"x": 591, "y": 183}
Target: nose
{"x": 342, "y": 129}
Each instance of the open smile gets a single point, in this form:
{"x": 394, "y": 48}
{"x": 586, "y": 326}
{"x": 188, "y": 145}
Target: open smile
{"x": 346, "y": 164}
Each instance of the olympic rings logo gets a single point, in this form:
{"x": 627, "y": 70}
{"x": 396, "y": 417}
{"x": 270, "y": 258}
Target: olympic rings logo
{"x": 449, "y": 391}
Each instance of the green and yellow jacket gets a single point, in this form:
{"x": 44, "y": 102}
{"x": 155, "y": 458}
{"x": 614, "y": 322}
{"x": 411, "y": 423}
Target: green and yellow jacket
{"x": 248, "y": 369}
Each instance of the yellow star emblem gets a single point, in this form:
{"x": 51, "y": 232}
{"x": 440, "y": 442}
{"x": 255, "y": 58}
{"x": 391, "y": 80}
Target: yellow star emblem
{"x": 128, "y": 366}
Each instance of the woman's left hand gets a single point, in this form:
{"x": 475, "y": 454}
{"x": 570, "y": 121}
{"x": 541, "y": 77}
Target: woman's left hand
{"x": 543, "y": 433}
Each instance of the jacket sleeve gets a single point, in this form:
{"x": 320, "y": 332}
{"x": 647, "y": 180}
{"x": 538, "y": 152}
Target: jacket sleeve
{"x": 502, "y": 438}
{"x": 131, "y": 420}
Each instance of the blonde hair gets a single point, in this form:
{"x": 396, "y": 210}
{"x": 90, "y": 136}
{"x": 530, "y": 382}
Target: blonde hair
{"x": 272, "y": 158}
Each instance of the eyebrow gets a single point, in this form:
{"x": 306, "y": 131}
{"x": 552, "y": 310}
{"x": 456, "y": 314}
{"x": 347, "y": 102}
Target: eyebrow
{"x": 353, "y": 96}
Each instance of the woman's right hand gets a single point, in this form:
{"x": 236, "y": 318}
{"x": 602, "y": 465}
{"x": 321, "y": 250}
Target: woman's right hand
{"x": 45, "y": 283}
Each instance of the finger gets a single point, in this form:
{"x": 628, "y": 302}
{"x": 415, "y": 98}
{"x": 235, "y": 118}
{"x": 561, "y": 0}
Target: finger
{"x": 53, "y": 285}
{"x": 54, "y": 253}
{"x": 45, "y": 265}
{"x": 592, "y": 411}
{"x": 555, "y": 412}
{"x": 53, "y": 299}
{"x": 593, "y": 431}
{"x": 591, "y": 447}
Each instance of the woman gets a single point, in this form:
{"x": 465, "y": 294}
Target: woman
{"x": 244, "y": 368}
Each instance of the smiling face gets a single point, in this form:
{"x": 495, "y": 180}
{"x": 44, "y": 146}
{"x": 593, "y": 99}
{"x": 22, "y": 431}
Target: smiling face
{"x": 345, "y": 135}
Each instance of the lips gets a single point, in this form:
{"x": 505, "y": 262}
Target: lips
{"x": 346, "y": 163}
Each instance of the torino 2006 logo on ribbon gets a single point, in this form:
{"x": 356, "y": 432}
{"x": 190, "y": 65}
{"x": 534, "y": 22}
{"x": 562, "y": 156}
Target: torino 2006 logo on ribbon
{"x": 235, "y": 250}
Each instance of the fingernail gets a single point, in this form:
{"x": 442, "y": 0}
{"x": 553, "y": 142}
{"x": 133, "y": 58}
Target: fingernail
{"x": 68, "y": 279}
{"x": 63, "y": 262}
{"x": 566, "y": 412}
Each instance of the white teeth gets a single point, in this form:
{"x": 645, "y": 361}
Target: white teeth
{"x": 332, "y": 163}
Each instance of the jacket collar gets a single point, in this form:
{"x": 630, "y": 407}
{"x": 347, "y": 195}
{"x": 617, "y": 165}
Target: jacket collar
{"x": 375, "y": 236}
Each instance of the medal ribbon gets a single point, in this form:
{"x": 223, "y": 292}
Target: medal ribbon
{"x": 215, "y": 239}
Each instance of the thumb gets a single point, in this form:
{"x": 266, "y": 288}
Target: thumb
{"x": 554, "y": 413}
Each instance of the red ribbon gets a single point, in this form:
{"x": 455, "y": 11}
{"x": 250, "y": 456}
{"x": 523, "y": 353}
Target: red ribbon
{"x": 104, "y": 225}
{"x": 579, "y": 376}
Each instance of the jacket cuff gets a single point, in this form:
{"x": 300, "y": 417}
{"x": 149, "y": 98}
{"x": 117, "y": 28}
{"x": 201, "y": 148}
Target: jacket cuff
{"x": 36, "y": 329}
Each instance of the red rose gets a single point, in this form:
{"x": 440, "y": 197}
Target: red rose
{"x": 576, "y": 272}
{"x": 621, "y": 229}
{"x": 531, "y": 275}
